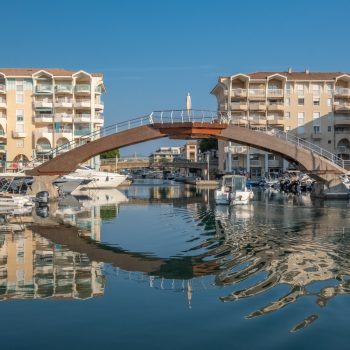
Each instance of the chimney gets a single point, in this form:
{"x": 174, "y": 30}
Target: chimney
{"x": 307, "y": 71}
{"x": 290, "y": 70}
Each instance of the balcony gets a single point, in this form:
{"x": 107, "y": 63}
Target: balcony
{"x": 82, "y": 132}
{"x": 43, "y": 133}
{"x": 44, "y": 89}
{"x": 82, "y": 89}
{"x": 255, "y": 163}
{"x": 316, "y": 136}
{"x": 239, "y": 92}
{"x": 43, "y": 104}
{"x": 82, "y": 104}
{"x": 63, "y": 103}
{"x": 17, "y": 134}
{"x": 276, "y": 107}
{"x": 236, "y": 149}
{"x": 98, "y": 119}
{"x": 64, "y": 88}
{"x": 3, "y": 103}
{"x": 2, "y": 148}
{"x": 274, "y": 93}
{"x": 256, "y": 118}
{"x": 82, "y": 118}
{"x": 342, "y": 119}
{"x": 43, "y": 148}
{"x": 342, "y": 92}
{"x": 238, "y": 106}
{"x": 98, "y": 89}
{"x": 273, "y": 163}
{"x": 274, "y": 118}
{"x": 343, "y": 150}
{"x": 43, "y": 118}
{"x": 2, "y": 89}
{"x": 341, "y": 107}
{"x": 2, "y": 134}
{"x": 223, "y": 106}
{"x": 64, "y": 118}
{"x": 258, "y": 106}
{"x": 64, "y": 132}
{"x": 99, "y": 105}
{"x": 257, "y": 93}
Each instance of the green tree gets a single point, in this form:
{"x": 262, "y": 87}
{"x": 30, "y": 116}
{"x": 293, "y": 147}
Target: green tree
{"x": 208, "y": 144}
{"x": 110, "y": 154}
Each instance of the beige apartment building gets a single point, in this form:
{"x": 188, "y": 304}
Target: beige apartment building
{"x": 313, "y": 105}
{"x": 41, "y": 109}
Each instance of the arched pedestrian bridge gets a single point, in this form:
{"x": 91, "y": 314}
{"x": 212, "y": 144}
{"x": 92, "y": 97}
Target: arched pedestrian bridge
{"x": 196, "y": 124}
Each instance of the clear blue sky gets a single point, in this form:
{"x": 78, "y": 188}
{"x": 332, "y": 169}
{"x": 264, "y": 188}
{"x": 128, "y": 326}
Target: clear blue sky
{"x": 153, "y": 52}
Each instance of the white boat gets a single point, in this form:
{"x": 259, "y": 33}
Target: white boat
{"x": 233, "y": 191}
{"x": 87, "y": 178}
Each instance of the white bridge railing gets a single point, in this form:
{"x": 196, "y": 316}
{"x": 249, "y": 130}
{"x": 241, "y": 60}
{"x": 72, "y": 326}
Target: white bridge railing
{"x": 185, "y": 116}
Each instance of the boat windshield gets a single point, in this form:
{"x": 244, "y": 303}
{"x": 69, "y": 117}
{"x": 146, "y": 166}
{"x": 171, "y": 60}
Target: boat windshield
{"x": 236, "y": 183}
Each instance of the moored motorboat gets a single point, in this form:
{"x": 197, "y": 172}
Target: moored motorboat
{"x": 233, "y": 191}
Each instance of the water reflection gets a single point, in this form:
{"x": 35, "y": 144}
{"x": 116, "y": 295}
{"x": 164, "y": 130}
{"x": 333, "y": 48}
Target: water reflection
{"x": 277, "y": 243}
{"x": 33, "y": 267}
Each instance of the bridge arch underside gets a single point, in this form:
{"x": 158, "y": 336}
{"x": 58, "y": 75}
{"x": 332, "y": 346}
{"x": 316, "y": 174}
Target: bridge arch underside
{"x": 64, "y": 163}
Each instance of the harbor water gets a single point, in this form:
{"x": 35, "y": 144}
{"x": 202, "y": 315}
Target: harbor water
{"x": 163, "y": 267}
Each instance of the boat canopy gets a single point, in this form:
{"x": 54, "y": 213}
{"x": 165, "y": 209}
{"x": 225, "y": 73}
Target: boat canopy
{"x": 235, "y": 182}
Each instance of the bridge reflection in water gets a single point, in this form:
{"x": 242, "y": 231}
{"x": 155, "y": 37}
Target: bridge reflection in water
{"x": 278, "y": 245}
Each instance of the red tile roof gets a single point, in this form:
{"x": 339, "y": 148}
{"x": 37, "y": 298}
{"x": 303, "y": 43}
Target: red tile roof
{"x": 299, "y": 75}
{"x": 20, "y": 72}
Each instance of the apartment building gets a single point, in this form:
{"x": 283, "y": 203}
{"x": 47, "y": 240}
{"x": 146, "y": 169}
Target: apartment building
{"x": 189, "y": 151}
{"x": 41, "y": 109}
{"x": 313, "y": 105}
{"x": 165, "y": 154}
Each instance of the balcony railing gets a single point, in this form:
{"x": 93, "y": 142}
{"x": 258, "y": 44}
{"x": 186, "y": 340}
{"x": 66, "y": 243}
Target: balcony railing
{"x": 67, "y": 118}
{"x": 257, "y": 92}
{"x": 316, "y": 135}
{"x": 341, "y": 107}
{"x": 275, "y": 106}
{"x": 2, "y": 88}
{"x": 44, "y": 88}
{"x": 238, "y": 92}
{"x": 86, "y": 88}
{"x": 64, "y": 88}
{"x": 43, "y": 147}
{"x": 255, "y": 162}
{"x": 3, "y": 103}
{"x": 82, "y": 103}
{"x": 43, "y": 104}
{"x": 274, "y": 92}
{"x": 43, "y": 118}
{"x": 81, "y": 132}
{"x": 273, "y": 163}
{"x": 341, "y": 91}
{"x": 257, "y": 106}
{"x": 341, "y": 119}
{"x": 63, "y": 131}
{"x": 2, "y": 147}
{"x": 239, "y": 106}
{"x": 99, "y": 104}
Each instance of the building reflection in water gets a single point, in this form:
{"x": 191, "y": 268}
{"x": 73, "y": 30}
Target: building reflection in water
{"x": 33, "y": 267}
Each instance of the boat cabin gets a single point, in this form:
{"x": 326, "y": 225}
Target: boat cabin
{"x": 233, "y": 183}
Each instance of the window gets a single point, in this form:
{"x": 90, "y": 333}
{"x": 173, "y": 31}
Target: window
{"x": 316, "y": 101}
{"x": 288, "y": 88}
{"x": 317, "y": 129}
{"x": 329, "y": 102}
{"x": 300, "y": 89}
{"x": 288, "y": 101}
{"x": 300, "y": 101}
{"x": 329, "y": 142}
{"x": 329, "y": 88}
{"x": 19, "y": 115}
{"x": 316, "y": 89}
{"x": 19, "y": 97}
{"x": 287, "y": 115}
{"x": 19, "y": 85}
{"x": 329, "y": 129}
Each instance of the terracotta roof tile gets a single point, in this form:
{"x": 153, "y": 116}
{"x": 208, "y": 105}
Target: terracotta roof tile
{"x": 299, "y": 75}
{"x": 30, "y": 71}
